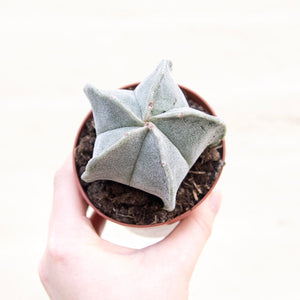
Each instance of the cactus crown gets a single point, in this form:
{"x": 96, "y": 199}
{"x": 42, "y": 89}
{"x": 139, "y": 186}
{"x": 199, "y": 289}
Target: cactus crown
{"x": 148, "y": 138}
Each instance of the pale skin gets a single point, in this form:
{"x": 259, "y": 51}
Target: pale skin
{"x": 79, "y": 264}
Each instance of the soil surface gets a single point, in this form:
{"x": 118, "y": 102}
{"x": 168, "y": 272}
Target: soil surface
{"x": 132, "y": 206}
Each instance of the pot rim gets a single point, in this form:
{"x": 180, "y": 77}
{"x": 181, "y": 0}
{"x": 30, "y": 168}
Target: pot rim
{"x": 191, "y": 94}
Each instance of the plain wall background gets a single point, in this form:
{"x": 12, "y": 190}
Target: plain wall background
{"x": 241, "y": 56}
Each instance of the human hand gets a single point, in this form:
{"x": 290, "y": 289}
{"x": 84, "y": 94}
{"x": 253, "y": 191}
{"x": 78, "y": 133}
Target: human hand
{"x": 79, "y": 264}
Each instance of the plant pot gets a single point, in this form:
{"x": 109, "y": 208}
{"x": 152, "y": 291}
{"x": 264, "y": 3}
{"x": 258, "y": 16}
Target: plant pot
{"x": 190, "y": 95}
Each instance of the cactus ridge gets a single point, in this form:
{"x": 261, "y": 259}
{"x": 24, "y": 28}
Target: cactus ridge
{"x": 148, "y": 138}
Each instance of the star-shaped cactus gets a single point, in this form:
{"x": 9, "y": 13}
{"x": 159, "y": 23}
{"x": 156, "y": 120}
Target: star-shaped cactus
{"x": 148, "y": 138}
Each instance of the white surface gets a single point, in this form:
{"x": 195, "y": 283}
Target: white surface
{"x": 241, "y": 56}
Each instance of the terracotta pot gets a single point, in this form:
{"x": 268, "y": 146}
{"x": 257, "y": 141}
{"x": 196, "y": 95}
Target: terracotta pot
{"x": 190, "y": 94}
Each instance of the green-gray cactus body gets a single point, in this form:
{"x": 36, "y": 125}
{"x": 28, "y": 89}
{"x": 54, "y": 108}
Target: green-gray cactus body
{"x": 148, "y": 138}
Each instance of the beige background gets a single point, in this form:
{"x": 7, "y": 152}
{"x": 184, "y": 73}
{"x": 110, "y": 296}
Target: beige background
{"x": 241, "y": 56}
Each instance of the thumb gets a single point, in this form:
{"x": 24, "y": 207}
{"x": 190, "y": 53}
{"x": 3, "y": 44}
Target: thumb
{"x": 185, "y": 243}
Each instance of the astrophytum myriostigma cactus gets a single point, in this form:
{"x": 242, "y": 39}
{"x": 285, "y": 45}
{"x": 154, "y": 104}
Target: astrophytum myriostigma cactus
{"x": 148, "y": 138}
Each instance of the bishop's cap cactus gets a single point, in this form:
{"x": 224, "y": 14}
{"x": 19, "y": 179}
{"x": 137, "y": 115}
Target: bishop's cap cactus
{"x": 148, "y": 138}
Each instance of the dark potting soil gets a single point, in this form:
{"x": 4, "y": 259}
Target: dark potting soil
{"x": 132, "y": 206}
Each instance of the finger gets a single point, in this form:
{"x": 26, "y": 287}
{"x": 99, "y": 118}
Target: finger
{"x": 185, "y": 243}
{"x": 68, "y": 206}
{"x": 98, "y": 223}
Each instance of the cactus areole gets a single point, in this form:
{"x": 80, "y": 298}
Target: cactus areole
{"x": 149, "y": 137}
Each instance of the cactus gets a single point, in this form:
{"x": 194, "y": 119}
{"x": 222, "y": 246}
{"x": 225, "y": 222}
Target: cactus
{"x": 148, "y": 138}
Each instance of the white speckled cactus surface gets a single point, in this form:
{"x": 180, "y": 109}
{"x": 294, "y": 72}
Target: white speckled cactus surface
{"x": 148, "y": 138}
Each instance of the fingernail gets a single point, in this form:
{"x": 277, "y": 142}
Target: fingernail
{"x": 214, "y": 201}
